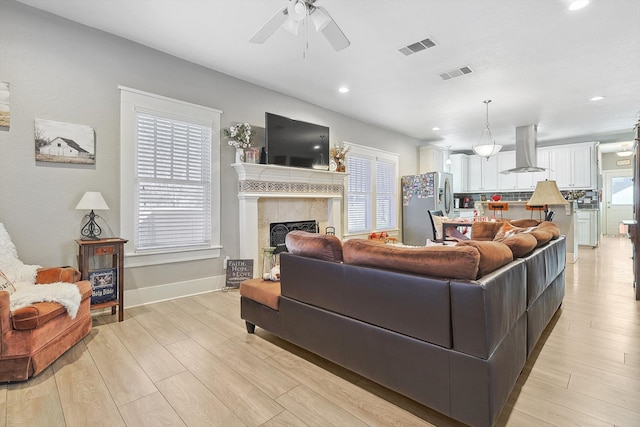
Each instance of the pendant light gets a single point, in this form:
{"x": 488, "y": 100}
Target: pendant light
{"x": 448, "y": 161}
{"x": 487, "y": 147}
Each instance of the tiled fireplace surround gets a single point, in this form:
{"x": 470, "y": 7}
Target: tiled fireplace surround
{"x": 270, "y": 193}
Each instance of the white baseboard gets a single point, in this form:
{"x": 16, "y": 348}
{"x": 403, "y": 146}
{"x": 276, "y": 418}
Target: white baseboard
{"x": 142, "y": 296}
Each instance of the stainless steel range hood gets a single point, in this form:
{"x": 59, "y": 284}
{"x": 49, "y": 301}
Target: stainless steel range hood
{"x": 526, "y": 157}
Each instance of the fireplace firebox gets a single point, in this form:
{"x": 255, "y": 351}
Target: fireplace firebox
{"x": 278, "y": 231}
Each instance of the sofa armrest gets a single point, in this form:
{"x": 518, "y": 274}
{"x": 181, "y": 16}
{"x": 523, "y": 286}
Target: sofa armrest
{"x": 5, "y": 315}
{"x": 57, "y": 274}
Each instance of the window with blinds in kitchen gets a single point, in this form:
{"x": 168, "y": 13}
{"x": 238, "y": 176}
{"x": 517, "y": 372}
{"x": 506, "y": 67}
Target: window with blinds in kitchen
{"x": 372, "y": 197}
{"x": 170, "y": 193}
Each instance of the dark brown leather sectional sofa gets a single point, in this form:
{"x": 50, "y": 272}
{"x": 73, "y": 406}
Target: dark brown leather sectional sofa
{"x": 454, "y": 345}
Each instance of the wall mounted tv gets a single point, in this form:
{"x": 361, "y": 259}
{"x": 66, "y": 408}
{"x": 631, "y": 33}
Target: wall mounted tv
{"x": 296, "y": 143}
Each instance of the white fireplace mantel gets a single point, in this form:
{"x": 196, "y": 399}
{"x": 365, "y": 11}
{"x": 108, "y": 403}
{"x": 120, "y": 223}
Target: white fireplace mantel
{"x": 256, "y": 181}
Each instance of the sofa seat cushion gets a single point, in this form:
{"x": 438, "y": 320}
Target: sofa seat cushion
{"x": 493, "y": 255}
{"x": 320, "y": 246}
{"x": 264, "y": 292}
{"x": 455, "y": 262}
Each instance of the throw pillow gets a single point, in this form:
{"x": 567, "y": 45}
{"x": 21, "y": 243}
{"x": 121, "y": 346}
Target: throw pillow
{"x": 493, "y": 255}
{"x": 5, "y": 284}
{"x": 526, "y": 223}
{"x": 507, "y": 230}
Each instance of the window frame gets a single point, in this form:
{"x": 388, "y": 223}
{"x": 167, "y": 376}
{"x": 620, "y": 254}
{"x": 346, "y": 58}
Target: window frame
{"x": 374, "y": 155}
{"x": 131, "y": 101}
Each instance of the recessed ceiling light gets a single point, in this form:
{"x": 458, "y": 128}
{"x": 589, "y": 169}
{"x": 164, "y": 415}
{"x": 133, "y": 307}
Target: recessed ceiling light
{"x": 343, "y": 89}
{"x": 578, "y": 4}
{"x": 597, "y": 98}
{"x": 435, "y": 128}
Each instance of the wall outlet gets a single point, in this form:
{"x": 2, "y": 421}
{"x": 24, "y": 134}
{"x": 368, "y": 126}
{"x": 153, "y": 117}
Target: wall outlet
{"x": 224, "y": 262}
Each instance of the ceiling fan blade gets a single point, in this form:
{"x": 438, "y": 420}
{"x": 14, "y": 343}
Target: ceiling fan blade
{"x": 334, "y": 35}
{"x": 270, "y": 27}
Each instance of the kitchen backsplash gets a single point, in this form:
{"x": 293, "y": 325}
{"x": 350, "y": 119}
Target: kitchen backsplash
{"x": 587, "y": 199}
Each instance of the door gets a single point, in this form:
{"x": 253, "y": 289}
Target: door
{"x": 618, "y": 196}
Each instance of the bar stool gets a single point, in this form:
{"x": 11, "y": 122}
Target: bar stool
{"x": 540, "y": 210}
{"x": 498, "y": 206}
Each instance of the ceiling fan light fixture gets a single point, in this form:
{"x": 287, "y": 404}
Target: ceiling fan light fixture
{"x": 487, "y": 146}
{"x": 297, "y": 10}
{"x": 291, "y": 26}
{"x": 320, "y": 18}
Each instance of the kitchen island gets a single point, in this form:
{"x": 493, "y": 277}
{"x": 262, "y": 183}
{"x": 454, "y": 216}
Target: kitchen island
{"x": 565, "y": 218}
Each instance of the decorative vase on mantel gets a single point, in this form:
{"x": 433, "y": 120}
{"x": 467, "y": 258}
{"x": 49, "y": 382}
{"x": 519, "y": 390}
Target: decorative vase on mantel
{"x": 239, "y": 155}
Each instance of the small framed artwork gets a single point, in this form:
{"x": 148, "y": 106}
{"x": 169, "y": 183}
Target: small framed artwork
{"x": 61, "y": 142}
{"x": 238, "y": 270}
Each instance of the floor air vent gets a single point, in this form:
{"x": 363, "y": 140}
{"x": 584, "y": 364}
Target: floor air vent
{"x": 456, "y": 73}
{"x": 417, "y": 47}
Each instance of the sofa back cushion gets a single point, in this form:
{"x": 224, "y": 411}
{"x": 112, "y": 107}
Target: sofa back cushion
{"x": 493, "y": 255}
{"x": 320, "y": 246}
{"x": 521, "y": 244}
{"x": 485, "y": 230}
{"x": 456, "y": 262}
{"x": 550, "y": 227}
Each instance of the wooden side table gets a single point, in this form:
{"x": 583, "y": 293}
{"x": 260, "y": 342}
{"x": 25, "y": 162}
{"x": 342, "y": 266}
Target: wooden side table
{"x": 101, "y": 262}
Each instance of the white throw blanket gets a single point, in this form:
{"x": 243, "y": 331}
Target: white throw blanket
{"x": 65, "y": 294}
{"x": 23, "y": 278}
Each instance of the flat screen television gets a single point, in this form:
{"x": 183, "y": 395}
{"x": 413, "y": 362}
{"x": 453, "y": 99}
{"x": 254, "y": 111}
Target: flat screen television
{"x": 296, "y": 143}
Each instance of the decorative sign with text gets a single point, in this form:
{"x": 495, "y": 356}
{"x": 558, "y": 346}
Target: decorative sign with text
{"x": 238, "y": 270}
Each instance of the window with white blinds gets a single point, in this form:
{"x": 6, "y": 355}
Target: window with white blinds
{"x": 371, "y": 190}
{"x": 169, "y": 179}
{"x": 173, "y": 183}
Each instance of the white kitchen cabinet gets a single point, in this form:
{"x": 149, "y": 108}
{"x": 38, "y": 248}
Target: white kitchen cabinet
{"x": 482, "y": 174}
{"x": 507, "y": 160}
{"x": 459, "y": 168}
{"x": 527, "y": 181}
{"x": 474, "y": 173}
{"x": 432, "y": 159}
{"x": 573, "y": 166}
{"x": 587, "y": 230}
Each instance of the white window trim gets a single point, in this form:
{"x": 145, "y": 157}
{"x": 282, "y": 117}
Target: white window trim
{"x": 373, "y": 153}
{"x": 132, "y": 100}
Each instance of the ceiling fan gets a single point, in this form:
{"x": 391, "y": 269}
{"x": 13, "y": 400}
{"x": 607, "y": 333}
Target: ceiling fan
{"x": 294, "y": 15}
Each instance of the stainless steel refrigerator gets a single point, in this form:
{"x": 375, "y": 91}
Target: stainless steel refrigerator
{"x": 430, "y": 191}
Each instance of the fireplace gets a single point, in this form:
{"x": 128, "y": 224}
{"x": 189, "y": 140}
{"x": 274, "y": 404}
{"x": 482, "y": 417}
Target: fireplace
{"x": 270, "y": 193}
{"x": 279, "y": 230}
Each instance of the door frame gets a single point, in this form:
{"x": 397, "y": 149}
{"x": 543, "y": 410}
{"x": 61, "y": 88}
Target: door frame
{"x": 606, "y": 175}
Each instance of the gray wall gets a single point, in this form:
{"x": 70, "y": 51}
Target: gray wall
{"x": 609, "y": 162}
{"x": 63, "y": 71}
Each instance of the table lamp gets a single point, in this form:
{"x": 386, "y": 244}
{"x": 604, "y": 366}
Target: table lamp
{"x": 92, "y": 200}
{"x": 547, "y": 193}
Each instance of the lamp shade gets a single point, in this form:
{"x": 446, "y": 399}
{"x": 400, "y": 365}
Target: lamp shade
{"x": 547, "y": 193}
{"x": 92, "y": 200}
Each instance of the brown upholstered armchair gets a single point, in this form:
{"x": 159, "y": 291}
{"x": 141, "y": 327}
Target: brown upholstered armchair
{"x": 33, "y": 337}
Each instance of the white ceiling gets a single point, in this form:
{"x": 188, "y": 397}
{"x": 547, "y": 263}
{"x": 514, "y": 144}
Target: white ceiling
{"x": 537, "y": 61}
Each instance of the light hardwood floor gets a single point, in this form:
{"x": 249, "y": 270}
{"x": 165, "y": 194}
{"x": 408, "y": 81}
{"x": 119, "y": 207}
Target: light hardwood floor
{"x": 190, "y": 362}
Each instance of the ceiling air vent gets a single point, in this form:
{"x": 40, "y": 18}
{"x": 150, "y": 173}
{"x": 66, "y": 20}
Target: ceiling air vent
{"x": 417, "y": 47}
{"x": 456, "y": 73}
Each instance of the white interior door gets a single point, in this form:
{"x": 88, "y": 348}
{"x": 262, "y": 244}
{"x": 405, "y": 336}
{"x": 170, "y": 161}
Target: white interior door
{"x": 618, "y": 196}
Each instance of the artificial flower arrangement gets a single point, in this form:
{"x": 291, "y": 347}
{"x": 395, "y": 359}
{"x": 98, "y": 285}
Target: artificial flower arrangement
{"x": 240, "y": 135}
{"x": 338, "y": 153}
